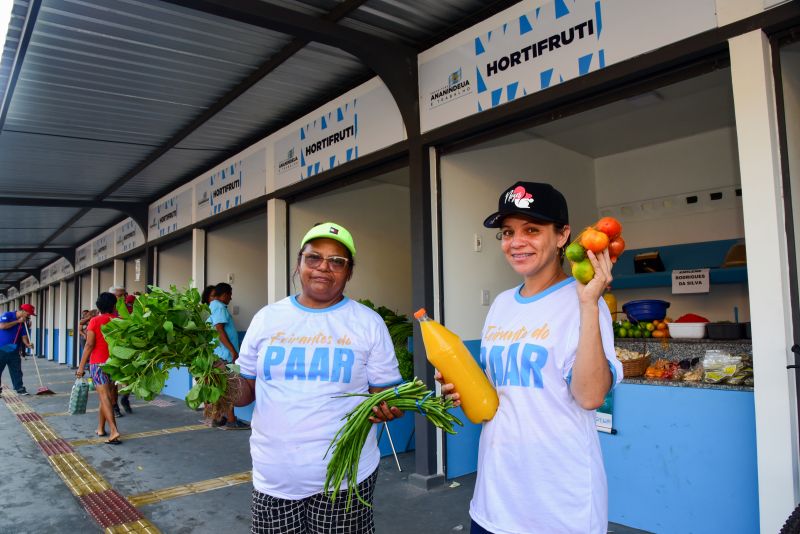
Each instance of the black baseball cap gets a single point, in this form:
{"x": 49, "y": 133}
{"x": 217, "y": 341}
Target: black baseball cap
{"x": 531, "y": 199}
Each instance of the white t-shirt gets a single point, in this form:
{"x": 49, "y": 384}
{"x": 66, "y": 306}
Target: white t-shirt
{"x": 301, "y": 357}
{"x": 540, "y": 467}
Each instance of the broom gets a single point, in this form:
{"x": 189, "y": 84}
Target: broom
{"x": 43, "y": 390}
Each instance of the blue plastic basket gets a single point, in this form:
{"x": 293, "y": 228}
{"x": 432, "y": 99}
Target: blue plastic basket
{"x": 645, "y": 310}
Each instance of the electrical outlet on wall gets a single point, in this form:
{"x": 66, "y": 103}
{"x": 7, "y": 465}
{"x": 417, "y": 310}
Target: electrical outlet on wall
{"x": 235, "y": 310}
{"x": 477, "y": 243}
{"x": 230, "y": 278}
{"x": 484, "y": 297}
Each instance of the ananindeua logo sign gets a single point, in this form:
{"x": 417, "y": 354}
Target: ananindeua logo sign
{"x": 542, "y": 45}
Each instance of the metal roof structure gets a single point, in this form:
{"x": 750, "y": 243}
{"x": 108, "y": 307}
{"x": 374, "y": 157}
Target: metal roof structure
{"x": 106, "y": 105}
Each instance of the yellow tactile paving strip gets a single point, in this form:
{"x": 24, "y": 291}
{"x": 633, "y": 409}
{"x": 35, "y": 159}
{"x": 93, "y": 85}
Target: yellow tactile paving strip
{"x": 147, "y": 434}
{"x": 81, "y": 478}
{"x": 40, "y": 431}
{"x": 77, "y": 474}
{"x": 142, "y": 526}
{"x": 174, "y": 492}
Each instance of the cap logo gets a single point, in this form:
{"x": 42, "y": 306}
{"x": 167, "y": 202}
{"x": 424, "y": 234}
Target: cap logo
{"x": 334, "y": 231}
{"x": 519, "y": 197}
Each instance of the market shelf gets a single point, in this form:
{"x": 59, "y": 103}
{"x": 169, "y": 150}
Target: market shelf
{"x": 727, "y": 275}
{"x": 705, "y": 255}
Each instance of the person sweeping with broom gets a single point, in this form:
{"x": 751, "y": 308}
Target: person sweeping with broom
{"x": 11, "y": 331}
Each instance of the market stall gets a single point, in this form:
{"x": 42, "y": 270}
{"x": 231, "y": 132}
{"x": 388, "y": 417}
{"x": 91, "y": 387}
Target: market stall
{"x": 675, "y": 188}
{"x": 175, "y": 268}
{"x": 236, "y": 253}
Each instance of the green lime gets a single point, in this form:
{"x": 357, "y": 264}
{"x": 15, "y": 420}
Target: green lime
{"x": 575, "y": 252}
{"x": 583, "y": 271}
{"x": 623, "y": 332}
{"x": 627, "y": 324}
{"x": 647, "y": 333}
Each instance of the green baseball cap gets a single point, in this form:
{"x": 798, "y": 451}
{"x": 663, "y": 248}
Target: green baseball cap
{"x": 330, "y": 230}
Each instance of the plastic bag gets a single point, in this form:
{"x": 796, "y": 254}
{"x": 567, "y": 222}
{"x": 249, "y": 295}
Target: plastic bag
{"x": 720, "y": 366}
{"x": 79, "y": 397}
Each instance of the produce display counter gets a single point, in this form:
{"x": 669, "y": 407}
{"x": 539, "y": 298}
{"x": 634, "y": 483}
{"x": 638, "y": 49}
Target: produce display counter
{"x": 684, "y": 455}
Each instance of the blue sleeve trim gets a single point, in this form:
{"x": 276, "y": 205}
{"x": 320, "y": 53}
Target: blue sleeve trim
{"x": 613, "y": 376}
{"x": 248, "y": 377}
{"x": 388, "y": 384}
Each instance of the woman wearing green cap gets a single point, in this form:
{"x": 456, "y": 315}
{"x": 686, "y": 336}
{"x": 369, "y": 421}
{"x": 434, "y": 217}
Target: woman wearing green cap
{"x": 297, "y": 355}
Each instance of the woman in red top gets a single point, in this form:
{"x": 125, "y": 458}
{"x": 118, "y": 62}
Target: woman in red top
{"x": 96, "y": 351}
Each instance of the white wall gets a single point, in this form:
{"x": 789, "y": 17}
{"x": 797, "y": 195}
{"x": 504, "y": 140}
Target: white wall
{"x": 378, "y": 216}
{"x": 701, "y": 162}
{"x": 71, "y": 303}
{"x": 106, "y": 277}
{"x": 472, "y": 181}
{"x": 705, "y": 161}
{"x": 131, "y": 284}
{"x": 175, "y": 264}
{"x": 240, "y": 248}
{"x": 86, "y": 292}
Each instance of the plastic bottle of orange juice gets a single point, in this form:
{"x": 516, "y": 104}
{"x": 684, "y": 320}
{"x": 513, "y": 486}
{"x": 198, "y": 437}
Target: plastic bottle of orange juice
{"x": 448, "y": 354}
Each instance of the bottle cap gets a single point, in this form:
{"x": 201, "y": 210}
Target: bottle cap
{"x": 420, "y": 313}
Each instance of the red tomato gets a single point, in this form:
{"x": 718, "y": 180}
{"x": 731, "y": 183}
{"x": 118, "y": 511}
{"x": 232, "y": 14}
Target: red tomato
{"x": 616, "y": 247}
{"x": 609, "y": 226}
{"x": 593, "y": 240}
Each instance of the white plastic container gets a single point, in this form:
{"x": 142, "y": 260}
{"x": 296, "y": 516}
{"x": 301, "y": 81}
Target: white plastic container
{"x": 687, "y": 330}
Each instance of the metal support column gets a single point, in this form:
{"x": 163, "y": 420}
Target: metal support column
{"x": 76, "y": 317}
{"x": 422, "y": 295}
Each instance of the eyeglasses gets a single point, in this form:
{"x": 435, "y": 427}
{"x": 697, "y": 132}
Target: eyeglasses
{"x": 336, "y": 264}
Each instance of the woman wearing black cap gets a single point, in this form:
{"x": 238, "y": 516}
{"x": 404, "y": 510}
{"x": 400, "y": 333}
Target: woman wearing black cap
{"x": 548, "y": 348}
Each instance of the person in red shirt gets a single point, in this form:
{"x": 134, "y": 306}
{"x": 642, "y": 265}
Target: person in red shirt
{"x": 96, "y": 352}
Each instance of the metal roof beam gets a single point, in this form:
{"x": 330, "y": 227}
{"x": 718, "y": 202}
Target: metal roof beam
{"x": 16, "y": 67}
{"x": 32, "y": 272}
{"x": 62, "y": 251}
{"x": 124, "y": 207}
{"x": 394, "y": 63}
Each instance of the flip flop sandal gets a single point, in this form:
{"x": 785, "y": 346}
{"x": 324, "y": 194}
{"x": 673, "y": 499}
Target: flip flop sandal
{"x": 114, "y": 441}
{"x": 100, "y": 435}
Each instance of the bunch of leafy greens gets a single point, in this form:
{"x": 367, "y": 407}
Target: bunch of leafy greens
{"x": 165, "y": 330}
{"x": 400, "y": 329}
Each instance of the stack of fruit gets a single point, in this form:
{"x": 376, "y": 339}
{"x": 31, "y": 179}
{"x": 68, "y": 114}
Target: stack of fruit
{"x": 605, "y": 234}
{"x": 657, "y": 329}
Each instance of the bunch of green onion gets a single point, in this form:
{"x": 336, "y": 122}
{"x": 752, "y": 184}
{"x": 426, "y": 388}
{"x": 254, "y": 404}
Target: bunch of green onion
{"x": 349, "y": 441}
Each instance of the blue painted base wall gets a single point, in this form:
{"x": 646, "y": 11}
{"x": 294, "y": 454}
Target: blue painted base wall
{"x": 462, "y": 448}
{"x": 178, "y": 384}
{"x": 683, "y": 460}
{"x": 679, "y": 455}
{"x": 402, "y": 431}
{"x": 54, "y": 356}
